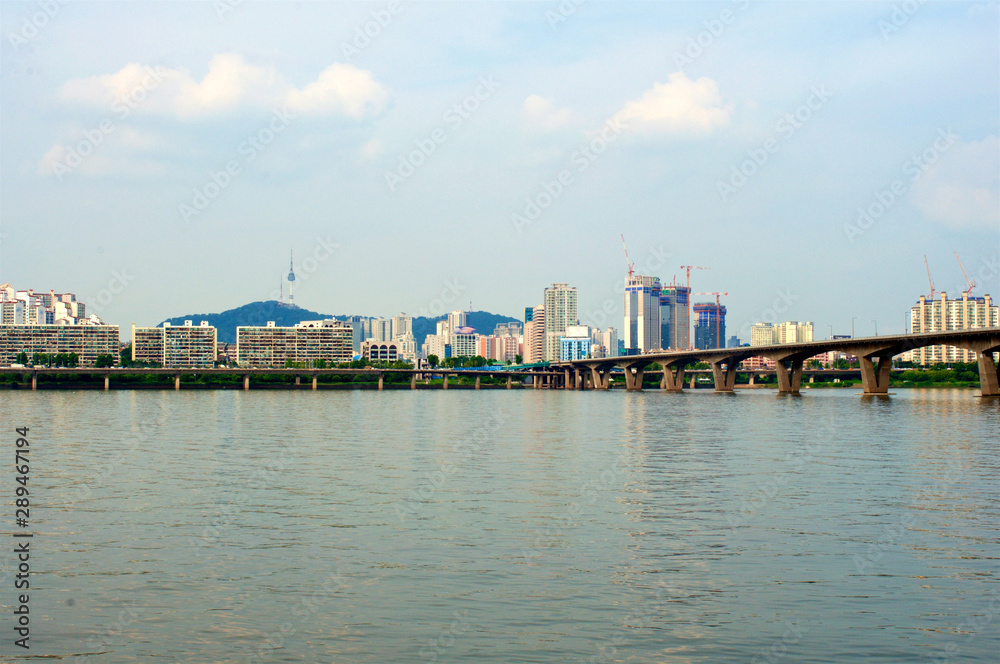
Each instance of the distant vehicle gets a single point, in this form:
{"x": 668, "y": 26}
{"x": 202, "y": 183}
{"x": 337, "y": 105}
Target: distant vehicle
{"x": 17, "y": 366}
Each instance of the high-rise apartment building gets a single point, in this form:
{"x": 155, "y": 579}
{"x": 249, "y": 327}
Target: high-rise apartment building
{"x": 560, "y": 312}
{"x": 642, "y": 327}
{"x": 176, "y": 346}
{"x": 763, "y": 334}
{"x": 86, "y": 341}
{"x": 306, "y": 343}
{"x": 942, "y": 315}
{"x": 793, "y": 332}
{"x": 534, "y": 336}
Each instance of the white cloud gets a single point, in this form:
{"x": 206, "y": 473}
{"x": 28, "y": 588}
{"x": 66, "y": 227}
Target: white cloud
{"x": 680, "y": 106}
{"x": 543, "y": 114}
{"x": 961, "y": 189}
{"x": 229, "y": 85}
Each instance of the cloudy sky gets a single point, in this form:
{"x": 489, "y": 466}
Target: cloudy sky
{"x": 160, "y": 159}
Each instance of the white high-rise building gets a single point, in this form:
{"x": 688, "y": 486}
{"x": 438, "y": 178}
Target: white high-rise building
{"x": 560, "y": 312}
{"x": 793, "y": 332}
{"x": 943, "y": 315}
{"x": 402, "y": 325}
{"x": 642, "y": 313}
{"x": 763, "y": 334}
{"x": 534, "y": 335}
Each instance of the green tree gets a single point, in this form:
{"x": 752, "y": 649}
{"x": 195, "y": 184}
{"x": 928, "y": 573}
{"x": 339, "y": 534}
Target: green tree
{"x": 433, "y": 360}
{"x": 126, "y": 356}
{"x": 22, "y": 358}
{"x": 518, "y": 359}
{"x": 104, "y": 360}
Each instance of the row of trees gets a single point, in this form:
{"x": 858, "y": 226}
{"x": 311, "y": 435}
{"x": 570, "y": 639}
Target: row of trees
{"x": 463, "y": 361}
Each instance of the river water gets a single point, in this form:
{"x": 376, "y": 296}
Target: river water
{"x": 507, "y": 526}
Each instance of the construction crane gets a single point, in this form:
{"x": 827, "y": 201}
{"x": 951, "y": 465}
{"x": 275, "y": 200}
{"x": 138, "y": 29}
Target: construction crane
{"x": 688, "y": 269}
{"x": 971, "y": 282}
{"x": 718, "y": 306}
{"x": 931, "y": 281}
{"x": 628, "y": 261}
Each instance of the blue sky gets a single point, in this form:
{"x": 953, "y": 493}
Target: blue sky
{"x": 220, "y": 135}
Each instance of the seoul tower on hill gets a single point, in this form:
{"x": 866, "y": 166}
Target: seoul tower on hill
{"x": 291, "y": 278}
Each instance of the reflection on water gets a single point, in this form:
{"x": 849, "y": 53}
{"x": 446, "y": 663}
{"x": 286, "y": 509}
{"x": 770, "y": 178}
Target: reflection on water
{"x": 511, "y": 526}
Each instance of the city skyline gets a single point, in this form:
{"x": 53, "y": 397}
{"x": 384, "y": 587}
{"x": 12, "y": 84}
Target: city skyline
{"x": 849, "y": 176}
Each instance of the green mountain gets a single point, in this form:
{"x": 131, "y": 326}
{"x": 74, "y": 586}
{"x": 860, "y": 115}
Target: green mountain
{"x": 283, "y": 315}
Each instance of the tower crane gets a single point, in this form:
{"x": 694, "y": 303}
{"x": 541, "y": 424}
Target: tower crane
{"x": 931, "y": 281}
{"x": 971, "y": 282}
{"x": 717, "y": 294}
{"x": 688, "y": 269}
{"x": 628, "y": 261}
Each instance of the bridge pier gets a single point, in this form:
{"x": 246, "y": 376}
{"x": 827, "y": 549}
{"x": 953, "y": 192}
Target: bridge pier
{"x": 752, "y": 376}
{"x": 298, "y": 380}
{"x": 314, "y": 382}
{"x": 509, "y": 382}
{"x": 569, "y": 379}
{"x": 107, "y": 382}
{"x": 34, "y": 381}
{"x": 246, "y": 381}
{"x": 601, "y": 378}
{"x": 692, "y": 382}
{"x": 381, "y": 380}
{"x": 413, "y": 381}
{"x": 633, "y": 378}
{"x": 477, "y": 382}
{"x": 725, "y": 379}
{"x": 789, "y": 383}
{"x": 673, "y": 379}
{"x": 444, "y": 383}
{"x": 177, "y": 381}
{"x": 989, "y": 377}
{"x": 875, "y": 380}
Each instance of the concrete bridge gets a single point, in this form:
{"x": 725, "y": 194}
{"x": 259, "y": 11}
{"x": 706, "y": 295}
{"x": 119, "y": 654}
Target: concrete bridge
{"x": 541, "y": 376}
{"x": 874, "y": 353}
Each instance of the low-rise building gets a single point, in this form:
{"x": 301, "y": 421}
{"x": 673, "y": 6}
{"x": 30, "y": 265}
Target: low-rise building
{"x": 381, "y": 351}
{"x": 87, "y": 342}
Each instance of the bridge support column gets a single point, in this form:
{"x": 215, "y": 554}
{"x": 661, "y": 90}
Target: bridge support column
{"x": 413, "y": 381}
{"x": 812, "y": 379}
{"x": 315, "y": 385}
{"x": 509, "y": 382}
{"x": 107, "y": 382}
{"x": 477, "y": 382}
{"x": 569, "y": 379}
{"x": 673, "y": 379}
{"x": 752, "y": 376}
{"x": 246, "y": 381}
{"x": 381, "y": 381}
{"x": 989, "y": 378}
{"x": 788, "y": 383}
{"x": 177, "y": 381}
{"x": 875, "y": 380}
{"x": 34, "y": 381}
{"x": 298, "y": 380}
{"x": 633, "y": 381}
{"x": 725, "y": 379}
{"x": 692, "y": 382}
{"x": 444, "y": 383}
{"x": 600, "y": 379}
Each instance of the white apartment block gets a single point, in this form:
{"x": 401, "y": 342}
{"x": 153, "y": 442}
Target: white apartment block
{"x": 307, "y": 343}
{"x": 176, "y": 346}
{"x": 87, "y": 341}
{"x": 560, "y": 312}
{"x": 943, "y": 315}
